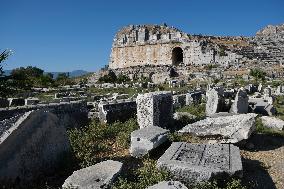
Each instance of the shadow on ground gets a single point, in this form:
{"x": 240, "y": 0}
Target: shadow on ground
{"x": 265, "y": 142}
{"x": 256, "y": 176}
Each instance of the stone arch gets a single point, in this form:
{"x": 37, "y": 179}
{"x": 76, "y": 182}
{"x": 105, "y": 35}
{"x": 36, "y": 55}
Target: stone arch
{"x": 177, "y": 56}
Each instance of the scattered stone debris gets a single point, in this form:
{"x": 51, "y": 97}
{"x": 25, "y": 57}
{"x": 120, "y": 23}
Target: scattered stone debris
{"x": 146, "y": 139}
{"x": 191, "y": 163}
{"x": 97, "y": 176}
{"x": 154, "y": 109}
{"x": 228, "y": 129}
{"x": 168, "y": 185}
{"x": 272, "y": 122}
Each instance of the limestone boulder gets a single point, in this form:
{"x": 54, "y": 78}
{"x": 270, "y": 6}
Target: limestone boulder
{"x": 155, "y": 109}
{"x": 97, "y": 176}
{"x": 214, "y": 101}
{"x": 272, "y": 122}
{"x": 228, "y": 129}
{"x": 192, "y": 163}
{"x": 183, "y": 115}
{"x": 146, "y": 139}
{"x": 240, "y": 105}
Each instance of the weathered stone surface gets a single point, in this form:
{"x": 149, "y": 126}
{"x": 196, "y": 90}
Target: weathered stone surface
{"x": 16, "y": 101}
{"x": 154, "y": 109}
{"x": 240, "y": 105}
{"x": 192, "y": 163}
{"x": 193, "y": 98}
{"x": 184, "y": 115}
{"x": 138, "y": 45}
{"x": 215, "y": 101}
{"x": 231, "y": 129}
{"x": 98, "y": 176}
{"x": 168, "y": 185}
{"x": 146, "y": 139}
{"x": 74, "y": 114}
{"x": 263, "y": 108}
{"x": 272, "y": 122}
{"x": 31, "y": 145}
{"x": 116, "y": 111}
{"x": 31, "y": 101}
{"x": 179, "y": 100}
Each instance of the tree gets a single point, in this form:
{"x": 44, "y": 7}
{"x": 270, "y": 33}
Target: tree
{"x": 26, "y": 78}
{"x": 122, "y": 78}
{"x": 258, "y": 74}
{"x": 4, "y": 84}
{"x": 63, "y": 79}
{"x": 3, "y": 56}
{"x": 108, "y": 78}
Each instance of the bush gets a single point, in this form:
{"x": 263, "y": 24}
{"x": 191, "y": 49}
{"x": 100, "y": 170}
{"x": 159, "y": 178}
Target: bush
{"x": 232, "y": 184}
{"x": 195, "y": 109}
{"x": 146, "y": 175}
{"x": 98, "y": 141}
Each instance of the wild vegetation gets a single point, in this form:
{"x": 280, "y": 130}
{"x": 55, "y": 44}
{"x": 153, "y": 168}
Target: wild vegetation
{"x": 98, "y": 141}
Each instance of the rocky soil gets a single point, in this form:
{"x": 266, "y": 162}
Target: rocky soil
{"x": 263, "y": 162}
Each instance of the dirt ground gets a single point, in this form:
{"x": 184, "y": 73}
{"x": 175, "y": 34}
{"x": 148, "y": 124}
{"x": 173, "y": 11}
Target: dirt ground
{"x": 263, "y": 164}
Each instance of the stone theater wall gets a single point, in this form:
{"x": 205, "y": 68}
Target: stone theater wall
{"x": 141, "y": 45}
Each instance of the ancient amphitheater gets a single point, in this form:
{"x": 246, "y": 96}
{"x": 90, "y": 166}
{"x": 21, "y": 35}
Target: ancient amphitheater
{"x": 138, "y": 45}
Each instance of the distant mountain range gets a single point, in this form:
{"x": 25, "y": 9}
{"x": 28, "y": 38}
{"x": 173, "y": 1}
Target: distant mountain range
{"x": 75, "y": 73}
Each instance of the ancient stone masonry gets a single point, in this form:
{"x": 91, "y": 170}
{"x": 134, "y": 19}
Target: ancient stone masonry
{"x": 116, "y": 111}
{"x": 77, "y": 111}
{"x": 225, "y": 129}
{"x": 98, "y": 176}
{"x": 151, "y": 50}
{"x": 146, "y": 139}
{"x": 215, "y": 101}
{"x": 270, "y": 41}
{"x": 193, "y": 97}
{"x": 155, "y": 109}
{"x": 272, "y": 122}
{"x": 240, "y": 105}
{"x": 138, "y": 45}
{"x": 193, "y": 163}
{"x": 32, "y": 144}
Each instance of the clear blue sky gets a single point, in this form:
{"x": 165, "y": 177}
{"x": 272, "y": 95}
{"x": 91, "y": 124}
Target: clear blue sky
{"x": 64, "y": 35}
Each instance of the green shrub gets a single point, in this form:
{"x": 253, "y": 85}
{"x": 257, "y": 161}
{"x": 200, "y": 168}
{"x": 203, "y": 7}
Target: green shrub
{"x": 146, "y": 175}
{"x": 231, "y": 184}
{"x": 97, "y": 140}
{"x": 195, "y": 109}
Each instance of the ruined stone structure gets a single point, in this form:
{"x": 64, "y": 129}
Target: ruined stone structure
{"x": 158, "y": 51}
{"x": 270, "y": 41}
{"x": 139, "y": 45}
{"x": 155, "y": 109}
{"x": 192, "y": 163}
{"x": 33, "y": 139}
